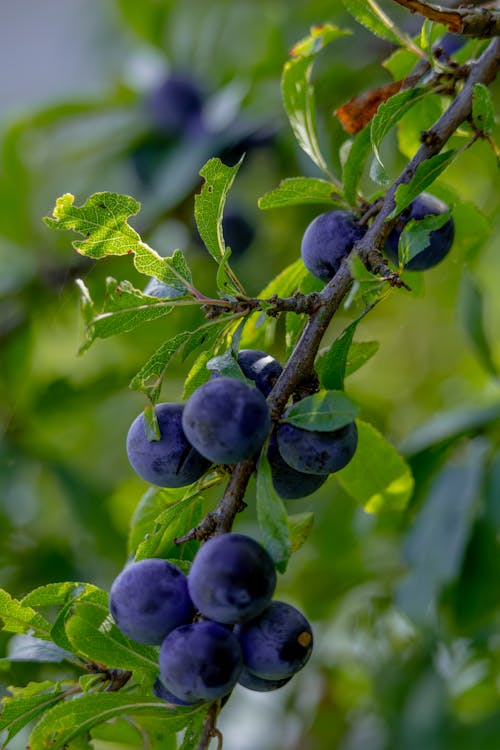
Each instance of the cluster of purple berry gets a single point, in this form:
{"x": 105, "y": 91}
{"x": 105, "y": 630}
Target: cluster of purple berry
{"x": 227, "y": 420}
{"x": 216, "y": 626}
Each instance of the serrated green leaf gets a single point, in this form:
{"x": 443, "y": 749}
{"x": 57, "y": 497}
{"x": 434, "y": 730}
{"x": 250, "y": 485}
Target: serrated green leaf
{"x": 19, "y": 618}
{"x": 272, "y": 517}
{"x": 295, "y": 191}
{"x": 197, "y": 375}
{"x": 390, "y": 112}
{"x": 149, "y": 379}
{"x": 367, "y": 13}
{"x": 323, "y": 412}
{"x": 103, "y": 222}
{"x": 54, "y": 594}
{"x": 171, "y": 523}
{"x": 483, "y": 109}
{"x": 331, "y": 365}
{"x": 400, "y": 63}
{"x": 300, "y": 528}
{"x": 298, "y": 94}
{"x": 424, "y": 176}
{"x": 27, "y": 704}
{"x": 354, "y": 164}
{"x": 71, "y": 718}
{"x": 415, "y": 236}
{"x": 471, "y": 308}
{"x": 377, "y": 476}
{"x": 208, "y": 211}
{"x": 93, "y": 634}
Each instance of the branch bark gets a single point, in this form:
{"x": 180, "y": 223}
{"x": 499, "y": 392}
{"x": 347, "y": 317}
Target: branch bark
{"x": 300, "y": 366}
{"x": 480, "y": 23}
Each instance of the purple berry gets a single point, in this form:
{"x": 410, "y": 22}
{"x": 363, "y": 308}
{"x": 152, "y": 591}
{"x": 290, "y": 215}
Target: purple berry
{"x": 171, "y": 461}
{"x": 200, "y": 662}
{"x": 289, "y": 483}
{"x": 328, "y": 239}
{"x": 150, "y": 598}
{"x": 315, "y": 452}
{"x": 260, "y": 367}
{"x": 259, "y": 684}
{"x": 277, "y": 643}
{"x": 232, "y": 578}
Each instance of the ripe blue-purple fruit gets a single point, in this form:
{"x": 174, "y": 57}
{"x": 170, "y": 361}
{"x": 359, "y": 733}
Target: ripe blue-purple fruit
{"x": 260, "y": 367}
{"x": 160, "y": 691}
{"x": 200, "y": 661}
{"x": 171, "y": 461}
{"x": 150, "y": 598}
{"x": 232, "y": 578}
{"x": 440, "y": 240}
{"x": 277, "y": 643}
{"x": 328, "y": 239}
{"x": 226, "y": 420}
{"x": 289, "y": 483}
{"x": 315, "y": 452}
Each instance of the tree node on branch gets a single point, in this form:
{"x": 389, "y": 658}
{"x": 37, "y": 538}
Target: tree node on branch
{"x": 480, "y": 23}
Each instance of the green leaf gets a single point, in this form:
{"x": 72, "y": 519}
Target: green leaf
{"x": 471, "y": 309}
{"x": 368, "y": 287}
{"x": 295, "y": 191}
{"x": 331, "y": 365}
{"x": 71, "y": 718}
{"x": 323, "y": 412}
{"x": 227, "y": 364}
{"x": 423, "y": 114}
{"x": 103, "y": 222}
{"x": 297, "y": 91}
{"x": 54, "y": 594}
{"x": 197, "y": 375}
{"x": 483, "y": 109}
{"x": 208, "y": 211}
{"x": 367, "y": 13}
{"x": 149, "y": 379}
{"x": 174, "y": 521}
{"x": 124, "y": 309}
{"x": 272, "y": 517}
{"x": 93, "y": 634}
{"x": 377, "y": 477}
{"x": 154, "y": 501}
{"x": 424, "y": 176}
{"x": 194, "y": 732}
{"x": 436, "y": 542}
{"x": 359, "y": 353}
{"x": 300, "y": 528}
{"x": 27, "y": 704}
{"x": 400, "y": 63}
{"x": 389, "y": 113}
{"x": 415, "y": 236}
{"x": 19, "y": 618}
{"x": 354, "y": 164}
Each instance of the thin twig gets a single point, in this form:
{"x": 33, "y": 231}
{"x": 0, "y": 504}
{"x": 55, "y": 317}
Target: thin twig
{"x": 480, "y": 23}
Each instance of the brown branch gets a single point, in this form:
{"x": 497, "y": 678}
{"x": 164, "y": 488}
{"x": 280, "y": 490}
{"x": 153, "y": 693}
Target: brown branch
{"x": 209, "y": 729}
{"x": 480, "y": 23}
{"x": 300, "y": 366}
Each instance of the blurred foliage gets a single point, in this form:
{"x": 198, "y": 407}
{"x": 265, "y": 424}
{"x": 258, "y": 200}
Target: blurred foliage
{"x": 406, "y": 606}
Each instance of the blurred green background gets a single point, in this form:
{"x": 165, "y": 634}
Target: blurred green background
{"x": 406, "y": 608}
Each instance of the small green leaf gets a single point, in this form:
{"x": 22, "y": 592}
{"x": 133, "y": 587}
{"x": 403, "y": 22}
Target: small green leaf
{"x": 471, "y": 308}
{"x": 272, "y": 517}
{"x": 298, "y": 94}
{"x": 25, "y": 705}
{"x": 367, "y": 286}
{"x": 71, "y": 718}
{"x": 300, "y": 528}
{"x": 323, "y": 412}
{"x": 296, "y": 191}
{"x": 367, "y": 13}
{"x": 103, "y": 222}
{"x": 197, "y": 375}
{"x": 377, "y": 477}
{"x": 227, "y": 364}
{"x": 19, "y": 618}
{"x": 208, "y": 211}
{"x": 331, "y": 365}
{"x": 415, "y": 236}
{"x": 149, "y": 379}
{"x": 174, "y": 521}
{"x": 389, "y": 113}
{"x": 152, "y": 428}
{"x": 154, "y": 501}
{"x": 400, "y": 63}
{"x": 354, "y": 164}
{"x": 424, "y": 176}
{"x": 359, "y": 353}
{"x": 483, "y": 109}
{"x": 53, "y": 594}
